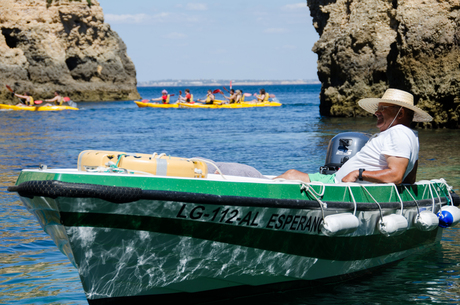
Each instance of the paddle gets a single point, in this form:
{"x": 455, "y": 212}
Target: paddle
{"x": 226, "y": 90}
{"x": 255, "y": 94}
{"x": 70, "y": 102}
{"x": 247, "y": 94}
{"x": 38, "y": 102}
{"x": 217, "y": 91}
{"x": 12, "y": 91}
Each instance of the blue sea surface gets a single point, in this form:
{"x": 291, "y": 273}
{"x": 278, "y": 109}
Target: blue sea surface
{"x": 272, "y": 139}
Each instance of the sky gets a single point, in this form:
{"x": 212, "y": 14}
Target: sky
{"x": 218, "y": 39}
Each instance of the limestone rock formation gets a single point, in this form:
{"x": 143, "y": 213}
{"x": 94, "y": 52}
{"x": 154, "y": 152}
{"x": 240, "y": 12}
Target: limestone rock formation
{"x": 366, "y": 46}
{"x": 62, "y": 45}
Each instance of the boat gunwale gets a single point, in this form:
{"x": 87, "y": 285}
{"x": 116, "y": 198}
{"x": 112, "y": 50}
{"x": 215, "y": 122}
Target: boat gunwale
{"x": 121, "y": 195}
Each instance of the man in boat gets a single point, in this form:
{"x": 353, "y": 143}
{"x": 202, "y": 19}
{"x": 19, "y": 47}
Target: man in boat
{"x": 164, "y": 97}
{"x": 188, "y": 97}
{"x": 390, "y": 156}
{"x": 209, "y": 98}
{"x": 57, "y": 99}
{"x": 28, "y": 100}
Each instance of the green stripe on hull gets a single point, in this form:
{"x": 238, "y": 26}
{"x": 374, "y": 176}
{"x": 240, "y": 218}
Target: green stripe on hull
{"x": 321, "y": 247}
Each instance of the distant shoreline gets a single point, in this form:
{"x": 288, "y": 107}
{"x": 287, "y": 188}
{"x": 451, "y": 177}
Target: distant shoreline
{"x": 182, "y": 83}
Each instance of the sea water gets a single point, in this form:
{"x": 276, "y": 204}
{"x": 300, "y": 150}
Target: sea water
{"x": 272, "y": 139}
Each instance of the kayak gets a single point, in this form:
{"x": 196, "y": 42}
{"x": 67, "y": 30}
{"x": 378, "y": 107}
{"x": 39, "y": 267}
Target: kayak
{"x": 142, "y": 104}
{"x": 219, "y": 104}
{"x": 36, "y": 108}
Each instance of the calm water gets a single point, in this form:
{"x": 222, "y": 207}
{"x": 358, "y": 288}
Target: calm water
{"x": 33, "y": 271}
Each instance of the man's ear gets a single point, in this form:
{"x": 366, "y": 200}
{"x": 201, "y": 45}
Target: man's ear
{"x": 402, "y": 113}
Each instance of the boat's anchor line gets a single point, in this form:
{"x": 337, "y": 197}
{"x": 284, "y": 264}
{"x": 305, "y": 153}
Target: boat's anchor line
{"x": 120, "y": 195}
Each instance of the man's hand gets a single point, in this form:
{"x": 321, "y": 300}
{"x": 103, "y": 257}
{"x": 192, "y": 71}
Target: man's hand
{"x": 351, "y": 177}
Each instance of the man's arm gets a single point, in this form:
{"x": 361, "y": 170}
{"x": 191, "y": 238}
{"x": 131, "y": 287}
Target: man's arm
{"x": 393, "y": 174}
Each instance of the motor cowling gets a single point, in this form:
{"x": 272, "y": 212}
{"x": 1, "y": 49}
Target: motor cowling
{"x": 341, "y": 148}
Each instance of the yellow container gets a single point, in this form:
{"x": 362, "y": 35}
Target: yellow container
{"x": 160, "y": 165}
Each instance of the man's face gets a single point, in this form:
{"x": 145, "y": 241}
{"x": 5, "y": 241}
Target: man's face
{"x": 385, "y": 115}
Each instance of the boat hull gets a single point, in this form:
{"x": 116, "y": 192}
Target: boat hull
{"x": 155, "y": 105}
{"x": 175, "y": 241}
{"x": 36, "y": 108}
{"x": 230, "y": 106}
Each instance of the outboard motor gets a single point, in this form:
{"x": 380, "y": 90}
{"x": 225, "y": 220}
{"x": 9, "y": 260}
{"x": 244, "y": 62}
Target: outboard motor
{"x": 341, "y": 148}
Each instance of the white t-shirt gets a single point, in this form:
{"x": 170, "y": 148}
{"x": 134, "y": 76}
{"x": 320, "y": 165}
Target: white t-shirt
{"x": 397, "y": 141}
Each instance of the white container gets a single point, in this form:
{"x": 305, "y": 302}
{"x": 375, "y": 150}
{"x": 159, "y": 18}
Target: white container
{"x": 392, "y": 225}
{"x": 426, "y": 221}
{"x": 338, "y": 224}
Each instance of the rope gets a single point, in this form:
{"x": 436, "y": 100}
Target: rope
{"x": 448, "y": 189}
{"x": 416, "y": 203}
{"x": 378, "y": 204}
{"x": 307, "y": 188}
{"x": 354, "y": 201}
{"x": 212, "y": 163}
{"x": 399, "y": 197}
{"x": 437, "y": 194}
{"x": 157, "y": 156}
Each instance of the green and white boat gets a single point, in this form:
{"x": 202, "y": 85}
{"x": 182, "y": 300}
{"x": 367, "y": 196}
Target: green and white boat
{"x": 138, "y": 228}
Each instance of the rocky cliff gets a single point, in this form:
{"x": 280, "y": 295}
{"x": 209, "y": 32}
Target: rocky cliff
{"x": 62, "y": 45}
{"x": 366, "y": 46}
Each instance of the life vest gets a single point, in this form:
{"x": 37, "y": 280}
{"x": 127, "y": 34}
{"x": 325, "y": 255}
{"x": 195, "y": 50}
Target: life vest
{"x": 233, "y": 100}
{"x": 241, "y": 98}
{"x": 266, "y": 97}
{"x": 59, "y": 102}
{"x": 31, "y": 101}
{"x": 208, "y": 100}
{"x": 165, "y": 99}
{"x": 189, "y": 98}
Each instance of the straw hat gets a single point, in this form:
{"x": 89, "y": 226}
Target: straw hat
{"x": 396, "y": 97}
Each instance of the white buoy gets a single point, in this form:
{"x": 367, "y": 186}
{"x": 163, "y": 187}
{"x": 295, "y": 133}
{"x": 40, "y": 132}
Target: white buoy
{"x": 449, "y": 216}
{"x": 338, "y": 224}
{"x": 392, "y": 225}
{"x": 426, "y": 221}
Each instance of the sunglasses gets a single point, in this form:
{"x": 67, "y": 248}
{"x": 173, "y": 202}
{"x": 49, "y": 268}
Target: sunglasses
{"x": 382, "y": 108}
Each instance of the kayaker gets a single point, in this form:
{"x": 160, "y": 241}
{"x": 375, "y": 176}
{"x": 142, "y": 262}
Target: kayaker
{"x": 188, "y": 97}
{"x": 232, "y": 98}
{"x": 164, "y": 97}
{"x": 209, "y": 98}
{"x": 390, "y": 156}
{"x": 29, "y": 100}
{"x": 262, "y": 97}
{"x": 239, "y": 96}
{"x": 57, "y": 99}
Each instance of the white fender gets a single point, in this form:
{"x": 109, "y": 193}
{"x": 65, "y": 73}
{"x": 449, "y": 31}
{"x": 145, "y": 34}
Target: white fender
{"x": 449, "y": 216}
{"x": 339, "y": 224}
{"x": 426, "y": 221}
{"x": 392, "y": 225}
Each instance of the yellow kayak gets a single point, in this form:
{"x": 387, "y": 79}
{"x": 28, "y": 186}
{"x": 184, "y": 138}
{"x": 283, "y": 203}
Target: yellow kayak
{"x": 37, "y": 108}
{"x": 141, "y": 104}
{"x": 219, "y": 104}
{"x": 197, "y": 105}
